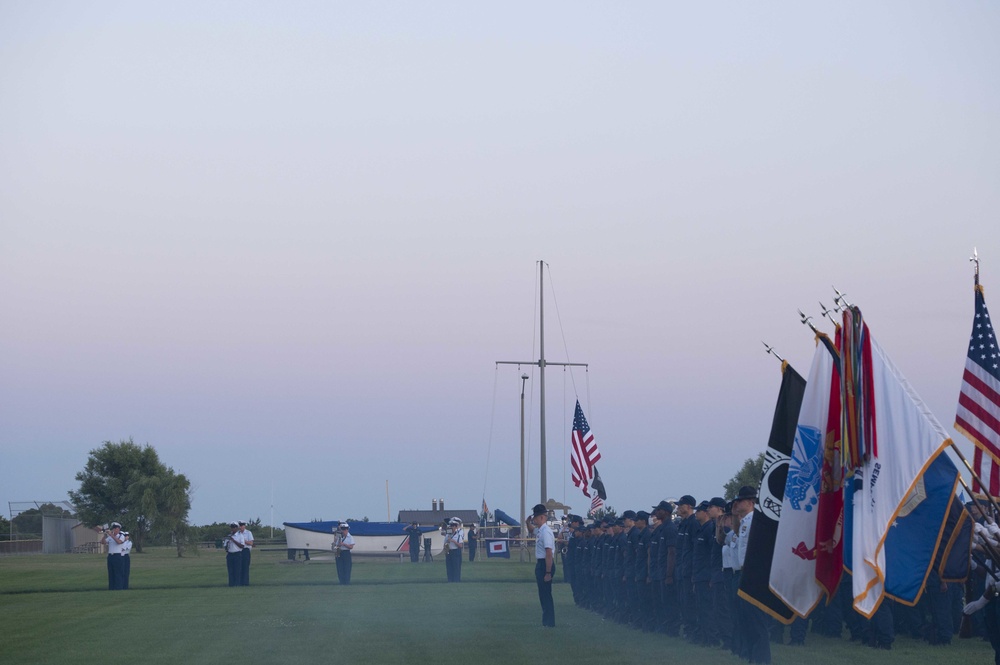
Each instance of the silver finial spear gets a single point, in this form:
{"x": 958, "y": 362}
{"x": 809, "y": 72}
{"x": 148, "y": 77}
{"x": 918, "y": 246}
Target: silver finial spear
{"x": 807, "y": 321}
{"x": 841, "y": 299}
{"x": 770, "y": 349}
{"x": 828, "y": 313}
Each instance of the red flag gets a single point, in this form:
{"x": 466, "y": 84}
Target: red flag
{"x": 830, "y": 511}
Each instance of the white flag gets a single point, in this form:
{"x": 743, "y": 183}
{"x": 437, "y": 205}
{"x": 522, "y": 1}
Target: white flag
{"x": 907, "y": 438}
{"x": 793, "y": 567}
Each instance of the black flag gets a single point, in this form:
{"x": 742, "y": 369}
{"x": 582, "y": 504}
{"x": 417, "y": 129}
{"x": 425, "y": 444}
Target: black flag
{"x": 598, "y": 485}
{"x": 760, "y": 547}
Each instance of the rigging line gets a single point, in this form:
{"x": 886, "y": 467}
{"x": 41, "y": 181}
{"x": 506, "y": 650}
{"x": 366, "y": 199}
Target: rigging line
{"x": 565, "y": 453}
{"x": 562, "y": 332}
{"x": 489, "y": 445}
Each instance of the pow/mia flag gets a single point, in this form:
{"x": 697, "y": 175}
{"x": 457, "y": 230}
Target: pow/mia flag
{"x": 760, "y": 548}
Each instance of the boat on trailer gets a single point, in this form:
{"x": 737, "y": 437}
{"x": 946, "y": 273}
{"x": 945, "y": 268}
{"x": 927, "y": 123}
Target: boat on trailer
{"x": 369, "y": 537}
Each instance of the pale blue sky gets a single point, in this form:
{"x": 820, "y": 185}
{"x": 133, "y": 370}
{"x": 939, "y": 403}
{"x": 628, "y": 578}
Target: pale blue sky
{"x": 287, "y": 242}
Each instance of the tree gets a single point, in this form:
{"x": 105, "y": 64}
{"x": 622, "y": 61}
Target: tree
{"x": 749, "y": 474}
{"x": 127, "y": 483}
{"x": 29, "y": 522}
{"x": 605, "y": 511}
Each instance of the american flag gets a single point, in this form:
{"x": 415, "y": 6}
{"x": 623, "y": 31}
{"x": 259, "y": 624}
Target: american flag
{"x": 978, "y": 415}
{"x": 584, "y": 454}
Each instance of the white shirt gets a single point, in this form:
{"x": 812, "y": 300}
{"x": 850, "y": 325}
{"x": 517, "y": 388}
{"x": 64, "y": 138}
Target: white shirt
{"x": 231, "y": 541}
{"x": 544, "y": 541}
{"x": 113, "y": 547}
{"x": 456, "y": 539}
{"x": 742, "y": 539}
{"x": 127, "y": 546}
{"x": 729, "y": 554}
{"x": 247, "y": 539}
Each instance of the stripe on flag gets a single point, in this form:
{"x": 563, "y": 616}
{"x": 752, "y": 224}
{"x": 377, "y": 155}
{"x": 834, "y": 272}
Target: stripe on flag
{"x": 584, "y": 454}
{"x": 978, "y": 414}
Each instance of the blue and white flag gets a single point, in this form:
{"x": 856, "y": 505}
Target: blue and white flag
{"x": 497, "y": 548}
{"x": 908, "y": 438}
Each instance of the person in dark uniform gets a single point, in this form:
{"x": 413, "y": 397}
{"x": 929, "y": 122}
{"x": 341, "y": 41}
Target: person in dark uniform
{"x": 245, "y": 552}
{"x": 343, "y": 543}
{"x": 720, "y": 583}
{"x": 642, "y": 611}
{"x": 473, "y": 539}
{"x": 126, "y": 559}
{"x": 628, "y": 573}
{"x": 685, "y": 545}
{"x": 620, "y": 539}
{"x": 413, "y": 534}
{"x": 701, "y": 574}
{"x": 665, "y": 537}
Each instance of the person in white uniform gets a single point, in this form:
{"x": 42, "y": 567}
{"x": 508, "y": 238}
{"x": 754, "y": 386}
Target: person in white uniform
{"x": 234, "y": 554}
{"x": 454, "y": 543}
{"x": 245, "y": 553}
{"x": 343, "y": 543}
{"x": 114, "y": 539}
{"x": 126, "y": 559}
{"x": 545, "y": 563}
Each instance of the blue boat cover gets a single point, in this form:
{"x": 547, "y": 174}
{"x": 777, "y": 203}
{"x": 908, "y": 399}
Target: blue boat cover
{"x": 360, "y": 528}
{"x": 505, "y": 518}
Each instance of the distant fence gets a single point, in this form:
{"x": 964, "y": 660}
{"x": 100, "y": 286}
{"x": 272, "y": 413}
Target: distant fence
{"x": 21, "y": 547}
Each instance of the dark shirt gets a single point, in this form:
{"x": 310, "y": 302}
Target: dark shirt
{"x": 642, "y": 555}
{"x": 632, "y": 539}
{"x": 701, "y": 560}
{"x": 685, "y": 546}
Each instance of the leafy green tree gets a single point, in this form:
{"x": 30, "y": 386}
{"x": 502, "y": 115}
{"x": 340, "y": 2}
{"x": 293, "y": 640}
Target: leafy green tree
{"x": 605, "y": 511}
{"x": 749, "y": 474}
{"x": 4, "y": 528}
{"x": 127, "y": 483}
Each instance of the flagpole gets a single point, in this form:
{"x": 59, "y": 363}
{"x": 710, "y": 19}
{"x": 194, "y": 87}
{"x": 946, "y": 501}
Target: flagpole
{"x": 524, "y": 513}
{"x": 979, "y": 480}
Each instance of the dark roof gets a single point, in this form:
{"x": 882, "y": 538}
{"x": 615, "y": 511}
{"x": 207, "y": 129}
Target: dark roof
{"x": 423, "y": 517}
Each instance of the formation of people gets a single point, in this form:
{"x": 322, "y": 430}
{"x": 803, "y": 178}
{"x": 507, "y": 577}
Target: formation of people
{"x": 238, "y": 545}
{"x": 676, "y": 570}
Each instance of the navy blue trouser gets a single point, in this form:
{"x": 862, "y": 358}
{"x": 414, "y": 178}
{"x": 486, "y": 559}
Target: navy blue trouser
{"x": 545, "y": 592}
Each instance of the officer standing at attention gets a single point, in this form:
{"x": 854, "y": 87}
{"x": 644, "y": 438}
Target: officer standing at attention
{"x": 453, "y": 550}
{"x": 234, "y": 556}
{"x": 473, "y": 539}
{"x": 413, "y": 533}
{"x": 126, "y": 559}
{"x": 343, "y": 552}
{"x": 666, "y": 537}
{"x": 545, "y": 563}
{"x": 701, "y": 573}
{"x": 685, "y": 545}
{"x": 114, "y": 540}
{"x": 642, "y": 610}
{"x": 754, "y": 642}
{"x": 245, "y": 553}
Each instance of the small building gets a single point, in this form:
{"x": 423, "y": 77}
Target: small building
{"x": 86, "y": 540}
{"x": 436, "y": 515}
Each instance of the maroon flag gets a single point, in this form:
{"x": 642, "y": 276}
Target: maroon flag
{"x": 584, "y": 454}
{"x": 978, "y": 415}
{"x": 830, "y": 511}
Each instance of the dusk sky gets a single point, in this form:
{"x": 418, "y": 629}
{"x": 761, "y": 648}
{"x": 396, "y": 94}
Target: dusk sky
{"x": 285, "y": 244}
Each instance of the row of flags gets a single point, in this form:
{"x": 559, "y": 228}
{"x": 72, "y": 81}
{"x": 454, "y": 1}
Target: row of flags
{"x": 856, "y": 478}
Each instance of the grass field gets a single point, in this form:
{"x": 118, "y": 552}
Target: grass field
{"x": 56, "y": 609}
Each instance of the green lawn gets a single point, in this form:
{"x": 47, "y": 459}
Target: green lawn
{"x": 56, "y": 609}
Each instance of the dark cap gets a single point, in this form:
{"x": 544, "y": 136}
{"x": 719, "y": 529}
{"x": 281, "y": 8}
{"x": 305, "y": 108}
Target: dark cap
{"x": 575, "y": 518}
{"x": 620, "y": 521}
{"x": 702, "y": 506}
{"x": 728, "y": 510}
{"x": 539, "y": 509}
{"x": 687, "y": 500}
{"x": 642, "y": 516}
{"x": 718, "y": 502}
{"x": 628, "y": 515}
{"x": 664, "y": 505}
{"x": 746, "y": 492}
